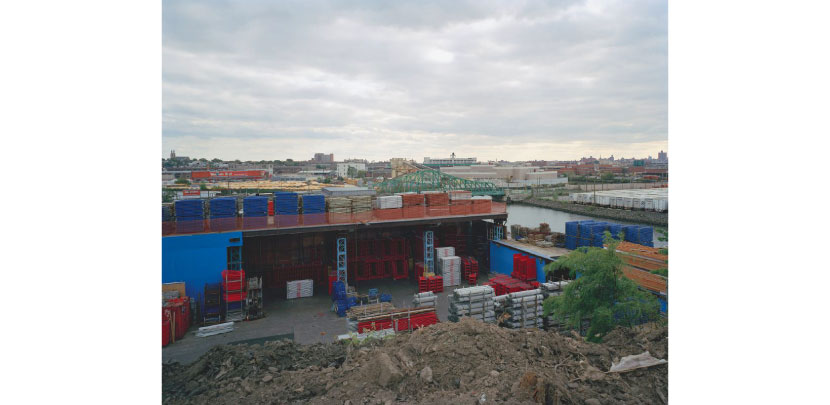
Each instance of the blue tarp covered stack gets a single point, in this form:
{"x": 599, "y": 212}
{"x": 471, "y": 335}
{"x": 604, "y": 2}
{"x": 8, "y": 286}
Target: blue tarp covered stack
{"x": 255, "y": 206}
{"x": 223, "y": 207}
{"x": 314, "y": 204}
{"x": 189, "y": 216}
{"x": 571, "y": 234}
{"x": 286, "y": 203}
{"x": 592, "y": 233}
{"x": 189, "y": 210}
{"x": 631, "y": 233}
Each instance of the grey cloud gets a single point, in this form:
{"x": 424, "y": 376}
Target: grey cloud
{"x": 487, "y": 75}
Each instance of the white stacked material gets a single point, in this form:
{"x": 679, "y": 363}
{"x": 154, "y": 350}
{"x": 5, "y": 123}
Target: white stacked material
{"x": 444, "y": 251}
{"x": 339, "y": 205}
{"x": 425, "y": 299}
{"x": 299, "y": 289}
{"x": 169, "y": 295}
{"x": 482, "y": 197}
{"x": 460, "y": 195}
{"x": 525, "y": 309}
{"x": 450, "y": 269}
{"x": 215, "y": 329}
{"x": 475, "y": 302}
{"x": 650, "y": 199}
{"x": 375, "y": 334}
{"x": 387, "y": 202}
{"x": 361, "y": 203}
{"x": 553, "y": 287}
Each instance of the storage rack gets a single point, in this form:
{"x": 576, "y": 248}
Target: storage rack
{"x": 211, "y": 315}
{"x": 253, "y": 298}
{"x": 234, "y": 294}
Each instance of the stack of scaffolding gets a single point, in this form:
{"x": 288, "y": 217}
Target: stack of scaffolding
{"x": 387, "y": 202}
{"x": 482, "y": 204}
{"x": 339, "y": 205}
{"x": 449, "y": 267}
{"x": 425, "y": 299}
{"x": 299, "y": 289}
{"x": 475, "y": 302}
{"x": 525, "y": 309}
{"x": 314, "y": 204}
{"x": 361, "y": 203}
{"x": 286, "y": 203}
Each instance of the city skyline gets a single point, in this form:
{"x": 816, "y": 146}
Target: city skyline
{"x": 504, "y": 81}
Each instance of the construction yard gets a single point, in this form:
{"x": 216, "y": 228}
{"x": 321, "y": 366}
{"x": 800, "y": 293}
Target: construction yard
{"x": 467, "y": 362}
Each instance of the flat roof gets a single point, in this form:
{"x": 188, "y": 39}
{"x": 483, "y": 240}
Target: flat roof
{"x": 550, "y": 253}
{"x": 297, "y": 224}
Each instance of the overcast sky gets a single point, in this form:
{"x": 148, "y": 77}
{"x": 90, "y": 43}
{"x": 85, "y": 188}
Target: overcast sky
{"x": 513, "y": 80}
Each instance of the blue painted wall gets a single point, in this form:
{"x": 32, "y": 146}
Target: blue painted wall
{"x": 196, "y": 259}
{"x": 501, "y": 261}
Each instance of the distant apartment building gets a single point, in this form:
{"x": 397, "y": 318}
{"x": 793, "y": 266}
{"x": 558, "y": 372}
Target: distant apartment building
{"x": 662, "y": 157}
{"x": 506, "y": 176}
{"x": 343, "y": 168}
{"x": 323, "y": 158}
{"x": 449, "y": 162}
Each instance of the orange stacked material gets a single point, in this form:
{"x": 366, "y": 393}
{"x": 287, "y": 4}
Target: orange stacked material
{"x": 646, "y": 280}
{"x": 441, "y": 211}
{"x": 643, "y": 263}
{"x": 437, "y": 199}
{"x": 460, "y": 207}
{"x": 416, "y": 211}
{"x": 640, "y": 250}
{"x": 411, "y": 200}
{"x": 388, "y": 214}
{"x": 481, "y": 205}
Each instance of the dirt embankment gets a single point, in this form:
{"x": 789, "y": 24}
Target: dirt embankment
{"x": 642, "y": 217}
{"x": 450, "y": 363}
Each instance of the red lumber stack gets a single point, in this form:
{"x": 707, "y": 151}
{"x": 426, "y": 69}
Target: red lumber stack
{"x": 412, "y": 200}
{"x": 437, "y": 199}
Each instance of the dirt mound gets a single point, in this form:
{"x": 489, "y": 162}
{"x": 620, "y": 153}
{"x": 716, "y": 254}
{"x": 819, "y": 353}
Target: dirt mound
{"x": 466, "y": 362}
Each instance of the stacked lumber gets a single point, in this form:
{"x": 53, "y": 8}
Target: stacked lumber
{"x": 368, "y": 310}
{"x": 412, "y": 200}
{"x": 425, "y": 299}
{"x": 299, "y": 289}
{"x": 437, "y": 199}
{"x": 524, "y": 309}
{"x": 449, "y": 267}
{"x": 339, "y": 205}
{"x": 482, "y": 204}
{"x": 361, "y": 203}
{"x": 474, "y": 302}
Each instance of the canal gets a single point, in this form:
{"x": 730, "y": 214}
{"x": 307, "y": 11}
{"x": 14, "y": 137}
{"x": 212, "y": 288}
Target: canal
{"x": 531, "y": 217}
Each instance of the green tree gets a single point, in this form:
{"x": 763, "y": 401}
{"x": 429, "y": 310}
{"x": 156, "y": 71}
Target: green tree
{"x": 183, "y": 181}
{"x": 601, "y": 293}
{"x": 608, "y": 176}
{"x": 203, "y": 186}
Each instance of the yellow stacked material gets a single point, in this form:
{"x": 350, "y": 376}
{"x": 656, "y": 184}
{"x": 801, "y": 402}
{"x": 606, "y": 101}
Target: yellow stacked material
{"x": 295, "y": 186}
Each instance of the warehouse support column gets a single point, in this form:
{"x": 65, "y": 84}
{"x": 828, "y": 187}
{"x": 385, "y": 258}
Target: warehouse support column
{"x": 429, "y": 260}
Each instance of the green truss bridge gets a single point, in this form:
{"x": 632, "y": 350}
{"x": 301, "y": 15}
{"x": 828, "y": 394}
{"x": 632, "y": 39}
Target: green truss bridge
{"x": 433, "y": 180}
